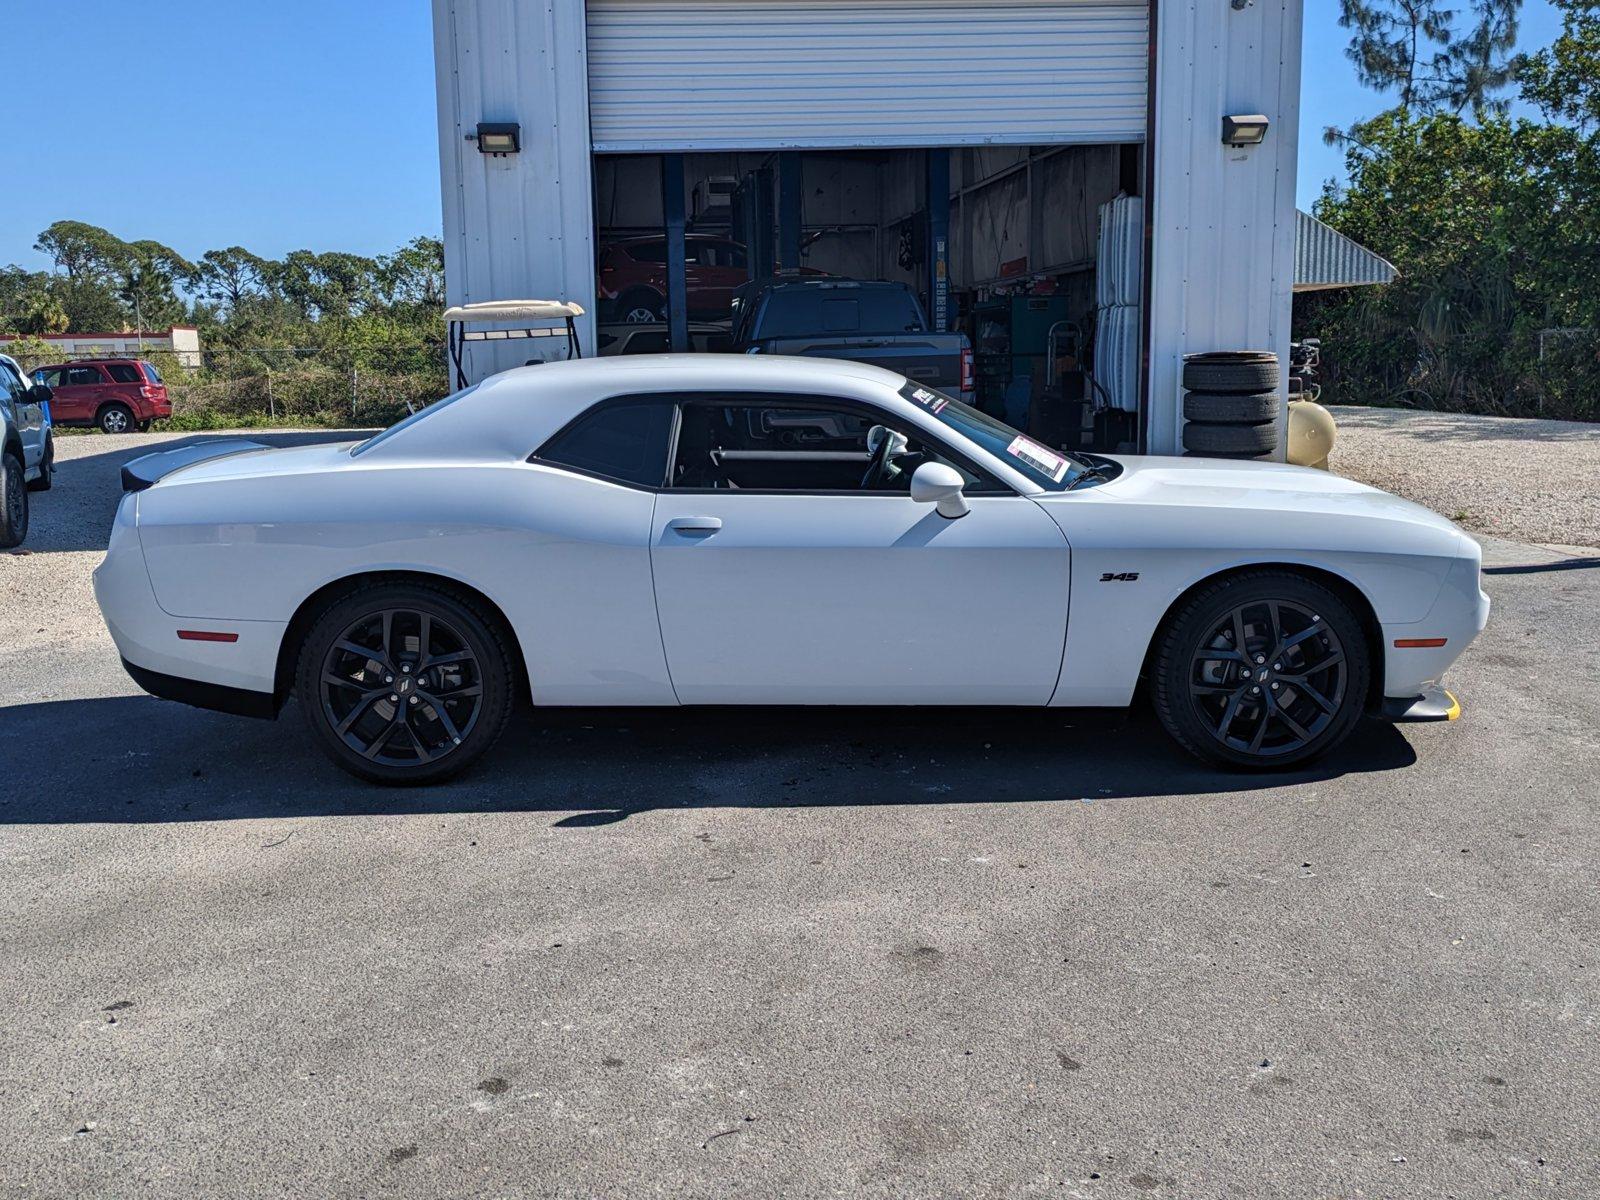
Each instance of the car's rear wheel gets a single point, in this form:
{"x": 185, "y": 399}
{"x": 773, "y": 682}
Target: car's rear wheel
{"x": 405, "y": 683}
{"x": 115, "y": 418}
{"x": 13, "y": 502}
{"x": 1266, "y": 669}
{"x": 47, "y": 466}
{"x": 642, "y": 307}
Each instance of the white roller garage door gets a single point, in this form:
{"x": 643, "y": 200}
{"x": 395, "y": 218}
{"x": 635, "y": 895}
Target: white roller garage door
{"x": 772, "y": 74}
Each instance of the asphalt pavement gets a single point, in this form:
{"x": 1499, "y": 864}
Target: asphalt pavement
{"x": 793, "y": 953}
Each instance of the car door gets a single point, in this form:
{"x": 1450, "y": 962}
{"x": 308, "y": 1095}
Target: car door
{"x": 55, "y": 378}
{"x": 780, "y": 579}
{"x": 80, "y": 392}
{"x": 25, "y": 412}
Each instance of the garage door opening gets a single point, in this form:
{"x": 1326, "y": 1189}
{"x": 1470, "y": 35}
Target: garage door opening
{"x": 1009, "y": 275}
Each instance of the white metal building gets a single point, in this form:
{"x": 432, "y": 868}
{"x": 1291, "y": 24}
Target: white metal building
{"x": 1041, "y": 112}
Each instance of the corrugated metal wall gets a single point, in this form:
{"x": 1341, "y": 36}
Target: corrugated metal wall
{"x": 737, "y": 74}
{"x": 1223, "y": 218}
{"x": 517, "y": 227}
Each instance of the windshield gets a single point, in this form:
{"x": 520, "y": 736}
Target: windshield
{"x": 1054, "y": 470}
{"x": 419, "y": 415}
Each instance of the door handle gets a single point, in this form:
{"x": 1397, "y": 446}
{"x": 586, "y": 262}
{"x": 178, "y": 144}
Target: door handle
{"x": 694, "y": 525}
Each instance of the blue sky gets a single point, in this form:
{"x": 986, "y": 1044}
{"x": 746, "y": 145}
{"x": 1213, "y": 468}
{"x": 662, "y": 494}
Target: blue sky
{"x": 210, "y": 123}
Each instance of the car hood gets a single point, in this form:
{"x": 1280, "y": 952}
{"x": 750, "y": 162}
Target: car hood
{"x": 1290, "y": 498}
{"x": 1224, "y": 483}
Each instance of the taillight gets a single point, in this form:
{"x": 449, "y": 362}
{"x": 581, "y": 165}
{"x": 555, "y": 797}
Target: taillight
{"x": 967, "y": 378}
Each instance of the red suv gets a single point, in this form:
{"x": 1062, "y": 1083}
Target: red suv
{"x": 117, "y": 394}
{"x": 633, "y": 278}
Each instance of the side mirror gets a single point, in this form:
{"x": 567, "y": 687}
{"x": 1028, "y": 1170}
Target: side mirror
{"x": 940, "y": 485}
{"x": 40, "y": 394}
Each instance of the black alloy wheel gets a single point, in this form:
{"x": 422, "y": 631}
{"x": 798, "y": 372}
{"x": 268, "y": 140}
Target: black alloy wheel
{"x": 1264, "y": 670}
{"x": 13, "y": 502}
{"x": 404, "y": 683}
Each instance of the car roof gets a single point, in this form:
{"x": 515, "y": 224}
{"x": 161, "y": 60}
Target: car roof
{"x": 87, "y": 362}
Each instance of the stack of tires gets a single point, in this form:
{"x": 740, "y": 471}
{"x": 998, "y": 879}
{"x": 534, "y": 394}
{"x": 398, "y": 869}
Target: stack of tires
{"x": 1230, "y": 404}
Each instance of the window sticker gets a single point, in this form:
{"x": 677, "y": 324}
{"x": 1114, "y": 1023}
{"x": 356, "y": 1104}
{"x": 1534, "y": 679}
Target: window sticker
{"x": 931, "y": 401}
{"x": 1040, "y": 458}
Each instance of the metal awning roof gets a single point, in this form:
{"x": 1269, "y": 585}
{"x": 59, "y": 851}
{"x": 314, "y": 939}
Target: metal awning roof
{"x": 1325, "y": 258}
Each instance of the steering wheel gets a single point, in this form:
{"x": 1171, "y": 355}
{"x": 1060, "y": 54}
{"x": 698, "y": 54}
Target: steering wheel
{"x": 885, "y": 446}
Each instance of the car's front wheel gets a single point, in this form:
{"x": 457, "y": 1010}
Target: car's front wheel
{"x": 1265, "y": 669}
{"x": 13, "y": 502}
{"x": 405, "y": 683}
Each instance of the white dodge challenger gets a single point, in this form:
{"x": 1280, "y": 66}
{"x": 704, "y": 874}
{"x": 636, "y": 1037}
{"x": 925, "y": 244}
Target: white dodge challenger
{"x": 719, "y": 529}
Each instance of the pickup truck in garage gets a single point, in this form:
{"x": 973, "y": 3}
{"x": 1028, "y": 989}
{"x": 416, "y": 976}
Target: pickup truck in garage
{"x": 870, "y": 322}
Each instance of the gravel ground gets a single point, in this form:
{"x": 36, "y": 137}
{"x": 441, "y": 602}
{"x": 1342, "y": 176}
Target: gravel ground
{"x": 938, "y": 954}
{"x": 1529, "y": 481}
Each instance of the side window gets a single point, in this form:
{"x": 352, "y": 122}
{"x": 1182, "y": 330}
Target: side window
{"x": 124, "y": 373}
{"x": 653, "y": 342}
{"x": 83, "y": 377}
{"x": 795, "y": 445}
{"x": 625, "y": 441}
{"x": 50, "y": 377}
{"x": 12, "y": 382}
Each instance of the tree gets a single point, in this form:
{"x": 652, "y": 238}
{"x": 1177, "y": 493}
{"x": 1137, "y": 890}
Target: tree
{"x": 147, "y": 274}
{"x": 1563, "y": 81}
{"x": 230, "y": 276}
{"x": 81, "y": 250}
{"x": 42, "y": 313}
{"x": 1496, "y": 237}
{"x": 413, "y": 274}
{"x": 1411, "y": 48}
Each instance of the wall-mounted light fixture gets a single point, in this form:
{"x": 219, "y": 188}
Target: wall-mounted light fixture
{"x": 1247, "y": 130}
{"x": 499, "y": 137}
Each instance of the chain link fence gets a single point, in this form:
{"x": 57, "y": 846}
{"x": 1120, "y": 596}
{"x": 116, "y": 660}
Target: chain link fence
{"x": 312, "y": 386}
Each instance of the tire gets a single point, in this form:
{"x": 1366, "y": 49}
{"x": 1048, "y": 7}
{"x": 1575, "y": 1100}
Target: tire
{"x": 115, "y": 418}
{"x": 13, "y": 502}
{"x": 1307, "y": 697}
{"x": 450, "y": 714}
{"x": 641, "y": 307}
{"x": 1231, "y": 373}
{"x": 144, "y": 426}
{"x": 47, "y": 467}
{"x": 1249, "y": 440}
{"x": 1254, "y": 408}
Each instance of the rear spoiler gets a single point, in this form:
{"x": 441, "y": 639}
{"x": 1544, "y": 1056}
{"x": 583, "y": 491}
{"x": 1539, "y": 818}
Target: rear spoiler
{"x": 150, "y": 468}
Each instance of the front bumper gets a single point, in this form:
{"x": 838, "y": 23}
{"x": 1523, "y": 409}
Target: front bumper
{"x": 238, "y": 701}
{"x": 1433, "y": 704}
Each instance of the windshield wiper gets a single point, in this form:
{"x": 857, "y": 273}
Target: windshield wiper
{"x": 1091, "y": 471}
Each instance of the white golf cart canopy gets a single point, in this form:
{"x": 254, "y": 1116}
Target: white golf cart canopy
{"x": 509, "y": 312}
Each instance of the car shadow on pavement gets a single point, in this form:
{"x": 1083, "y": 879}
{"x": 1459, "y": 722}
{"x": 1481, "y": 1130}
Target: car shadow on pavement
{"x": 587, "y": 767}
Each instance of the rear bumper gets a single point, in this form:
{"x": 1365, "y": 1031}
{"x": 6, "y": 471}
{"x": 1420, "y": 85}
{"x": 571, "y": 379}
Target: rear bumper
{"x": 240, "y": 702}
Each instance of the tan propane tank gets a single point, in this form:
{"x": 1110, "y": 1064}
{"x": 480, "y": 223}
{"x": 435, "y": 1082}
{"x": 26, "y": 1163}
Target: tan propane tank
{"x": 1311, "y": 431}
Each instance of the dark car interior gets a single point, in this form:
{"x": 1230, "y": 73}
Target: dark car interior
{"x": 771, "y": 448}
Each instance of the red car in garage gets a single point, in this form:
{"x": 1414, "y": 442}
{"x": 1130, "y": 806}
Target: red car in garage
{"x": 117, "y": 394}
{"x": 633, "y": 277}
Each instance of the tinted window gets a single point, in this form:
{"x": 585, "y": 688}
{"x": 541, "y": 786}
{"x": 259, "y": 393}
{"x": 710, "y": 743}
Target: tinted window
{"x": 50, "y": 377}
{"x": 648, "y": 252}
{"x": 790, "y": 445}
{"x": 12, "y": 381}
{"x": 84, "y": 377}
{"x": 802, "y": 311}
{"x": 124, "y": 372}
{"x": 151, "y": 373}
{"x": 626, "y": 442}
